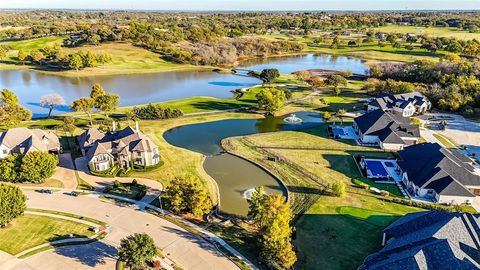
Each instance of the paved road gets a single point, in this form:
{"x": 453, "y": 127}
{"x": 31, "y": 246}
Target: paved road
{"x": 187, "y": 250}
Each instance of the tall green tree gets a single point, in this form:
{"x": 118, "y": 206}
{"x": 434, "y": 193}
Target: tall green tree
{"x": 38, "y": 166}
{"x": 256, "y": 204}
{"x": 22, "y": 56}
{"x": 107, "y": 103}
{"x": 12, "y": 203}
{"x": 75, "y": 62}
{"x": 188, "y": 195}
{"x": 336, "y": 81}
{"x": 12, "y": 113}
{"x": 269, "y": 74}
{"x": 8, "y": 168}
{"x": 85, "y": 105}
{"x": 271, "y": 99}
{"x": 137, "y": 250}
{"x": 273, "y": 218}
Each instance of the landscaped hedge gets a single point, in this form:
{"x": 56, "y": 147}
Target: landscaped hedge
{"x": 147, "y": 168}
{"x": 110, "y": 173}
{"x": 432, "y": 206}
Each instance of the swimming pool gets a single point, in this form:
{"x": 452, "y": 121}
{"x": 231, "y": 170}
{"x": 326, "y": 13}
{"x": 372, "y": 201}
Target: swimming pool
{"x": 338, "y": 132}
{"x": 375, "y": 169}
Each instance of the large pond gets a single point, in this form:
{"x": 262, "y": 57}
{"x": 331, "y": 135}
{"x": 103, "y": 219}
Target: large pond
{"x": 145, "y": 88}
{"x": 236, "y": 177}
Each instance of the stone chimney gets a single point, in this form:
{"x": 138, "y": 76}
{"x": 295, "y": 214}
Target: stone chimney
{"x": 114, "y": 126}
{"x": 137, "y": 129}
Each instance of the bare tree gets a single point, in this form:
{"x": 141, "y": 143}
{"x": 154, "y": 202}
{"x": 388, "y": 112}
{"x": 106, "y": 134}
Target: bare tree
{"x": 52, "y": 101}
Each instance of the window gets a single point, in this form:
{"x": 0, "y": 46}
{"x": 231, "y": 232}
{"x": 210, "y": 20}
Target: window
{"x": 5, "y": 151}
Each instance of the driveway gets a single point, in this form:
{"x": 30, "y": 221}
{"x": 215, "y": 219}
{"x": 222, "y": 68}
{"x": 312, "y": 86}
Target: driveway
{"x": 185, "y": 249}
{"x": 65, "y": 171}
{"x": 462, "y": 131}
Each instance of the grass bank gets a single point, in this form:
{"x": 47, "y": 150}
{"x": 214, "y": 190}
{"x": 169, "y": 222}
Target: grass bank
{"x": 28, "y": 231}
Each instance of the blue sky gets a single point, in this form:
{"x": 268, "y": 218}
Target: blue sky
{"x": 246, "y": 4}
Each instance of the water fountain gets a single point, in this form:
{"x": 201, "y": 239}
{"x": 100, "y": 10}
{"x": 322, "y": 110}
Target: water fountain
{"x": 292, "y": 119}
{"x": 247, "y": 194}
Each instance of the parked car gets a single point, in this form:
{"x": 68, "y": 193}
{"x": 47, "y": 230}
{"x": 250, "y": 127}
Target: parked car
{"x": 48, "y": 191}
{"x": 73, "y": 193}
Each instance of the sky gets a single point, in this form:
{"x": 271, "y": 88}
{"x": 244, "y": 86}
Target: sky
{"x": 262, "y": 5}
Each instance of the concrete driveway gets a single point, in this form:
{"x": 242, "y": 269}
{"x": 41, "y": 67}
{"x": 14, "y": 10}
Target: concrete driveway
{"x": 185, "y": 249}
{"x": 65, "y": 171}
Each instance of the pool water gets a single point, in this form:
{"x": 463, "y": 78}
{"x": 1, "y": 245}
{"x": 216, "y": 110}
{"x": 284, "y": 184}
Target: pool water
{"x": 376, "y": 168}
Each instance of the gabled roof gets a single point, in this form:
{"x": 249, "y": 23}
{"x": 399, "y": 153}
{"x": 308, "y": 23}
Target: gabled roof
{"x": 30, "y": 139}
{"x": 389, "y": 127}
{"x": 96, "y": 149}
{"x": 120, "y": 142}
{"x": 428, "y": 165}
{"x": 429, "y": 240}
{"x": 386, "y": 101}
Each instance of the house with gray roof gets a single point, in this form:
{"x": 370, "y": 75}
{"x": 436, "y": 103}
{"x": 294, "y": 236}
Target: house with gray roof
{"x": 23, "y": 140}
{"x": 388, "y": 130}
{"x": 406, "y": 104}
{"x": 123, "y": 149}
{"x": 438, "y": 174}
{"x": 429, "y": 240}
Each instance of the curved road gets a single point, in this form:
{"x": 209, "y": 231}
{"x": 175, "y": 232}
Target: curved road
{"x": 185, "y": 249}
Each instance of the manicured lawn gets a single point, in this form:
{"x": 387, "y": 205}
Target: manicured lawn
{"x": 32, "y": 230}
{"x": 338, "y": 233}
{"x": 445, "y": 141}
{"x": 28, "y": 45}
{"x": 431, "y": 31}
{"x": 50, "y": 182}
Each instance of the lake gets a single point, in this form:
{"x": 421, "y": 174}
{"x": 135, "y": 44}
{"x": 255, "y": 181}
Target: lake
{"x": 236, "y": 178}
{"x": 137, "y": 89}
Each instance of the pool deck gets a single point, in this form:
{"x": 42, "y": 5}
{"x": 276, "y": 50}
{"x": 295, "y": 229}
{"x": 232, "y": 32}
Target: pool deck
{"x": 397, "y": 178}
{"x": 349, "y": 132}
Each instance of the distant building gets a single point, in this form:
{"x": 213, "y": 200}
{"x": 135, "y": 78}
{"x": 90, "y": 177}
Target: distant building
{"x": 118, "y": 148}
{"x": 23, "y": 141}
{"x": 407, "y": 104}
{"x": 434, "y": 240}
{"x": 388, "y": 130}
{"x": 438, "y": 174}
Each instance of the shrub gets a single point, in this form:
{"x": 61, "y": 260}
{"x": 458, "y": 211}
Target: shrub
{"x": 154, "y": 112}
{"x": 116, "y": 184}
{"x": 38, "y": 166}
{"x": 338, "y": 189}
{"x": 15, "y": 206}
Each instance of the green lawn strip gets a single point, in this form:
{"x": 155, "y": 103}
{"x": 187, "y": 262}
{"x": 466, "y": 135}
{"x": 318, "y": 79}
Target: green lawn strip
{"x": 28, "y": 231}
{"x": 35, "y": 251}
{"x": 127, "y": 190}
{"x": 444, "y": 140}
{"x": 92, "y": 220}
{"x": 50, "y": 182}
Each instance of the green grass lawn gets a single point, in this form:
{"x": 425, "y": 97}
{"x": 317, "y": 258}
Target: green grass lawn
{"x": 127, "y": 190}
{"x": 447, "y": 142}
{"x": 431, "y": 31}
{"x": 28, "y": 45}
{"x": 29, "y": 231}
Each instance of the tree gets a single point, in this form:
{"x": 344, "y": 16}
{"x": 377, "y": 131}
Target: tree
{"x": 274, "y": 217}
{"x": 338, "y": 189}
{"x": 69, "y": 124}
{"x": 75, "y": 62}
{"x": 85, "y": 105}
{"x": 38, "y": 166}
{"x": 89, "y": 60}
{"x": 303, "y": 75}
{"x": 9, "y": 167}
{"x": 316, "y": 82}
{"x": 326, "y": 116}
{"x": 52, "y": 101}
{"x": 37, "y": 56}
{"x": 107, "y": 103}
{"x": 336, "y": 81}
{"x": 3, "y": 52}
{"x": 271, "y": 99}
{"x": 269, "y": 74}
{"x": 137, "y": 250}
{"x": 12, "y": 203}
{"x": 11, "y": 113}
{"x": 256, "y": 203}
{"x": 22, "y": 56}
{"x": 103, "y": 101}
{"x": 188, "y": 195}
{"x": 335, "y": 43}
